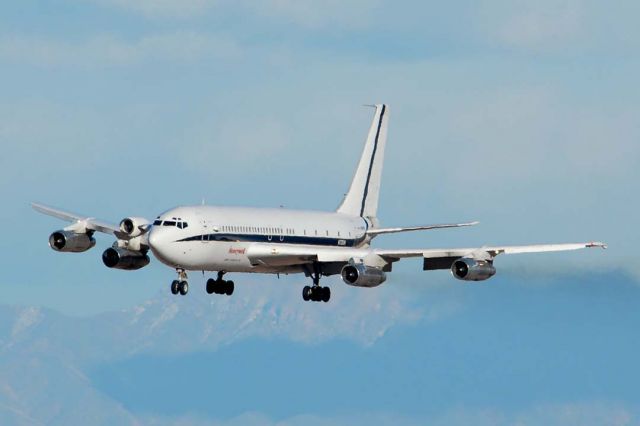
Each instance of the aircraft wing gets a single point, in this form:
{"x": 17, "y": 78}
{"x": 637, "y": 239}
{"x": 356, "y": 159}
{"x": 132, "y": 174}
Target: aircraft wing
{"x": 88, "y": 223}
{"x": 380, "y": 231}
{"x": 286, "y": 255}
{"x": 442, "y": 258}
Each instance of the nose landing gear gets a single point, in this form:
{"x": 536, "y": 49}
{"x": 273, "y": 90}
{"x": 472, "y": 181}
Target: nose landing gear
{"x": 180, "y": 286}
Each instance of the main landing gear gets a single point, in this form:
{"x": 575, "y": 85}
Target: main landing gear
{"x": 316, "y": 293}
{"x": 180, "y": 286}
{"x": 220, "y": 286}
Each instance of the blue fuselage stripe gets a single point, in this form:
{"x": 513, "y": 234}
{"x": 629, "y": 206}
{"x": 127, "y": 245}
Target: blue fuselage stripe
{"x": 278, "y": 239}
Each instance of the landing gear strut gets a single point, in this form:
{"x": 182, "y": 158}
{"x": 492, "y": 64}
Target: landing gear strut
{"x": 220, "y": 286}
{"x": 316, "y": 293}
{"x": 180, "y": 286}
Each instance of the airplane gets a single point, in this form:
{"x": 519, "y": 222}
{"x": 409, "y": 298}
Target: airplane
{"x": 282, "y": 241}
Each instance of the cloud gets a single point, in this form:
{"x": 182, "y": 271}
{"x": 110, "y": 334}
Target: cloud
{"x": 307, "y": 14}
{"x": 182, "y": 9}
{"x": 566, "y": 27}
{"x": 45, "y": 137}
{"x": 561, "y": 414}
{"x": 254, "y": 142}
{"x": 527, "y": 134}
{"x": 314, "y": 14}
{"x": 594, "y": 413}
{"x": 544, "y": 26}
{"x": 110, "y": 50}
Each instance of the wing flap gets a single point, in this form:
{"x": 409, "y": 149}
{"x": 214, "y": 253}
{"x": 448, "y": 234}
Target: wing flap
{"x": 289, "y": 254}
{"x": 437, "y": 263}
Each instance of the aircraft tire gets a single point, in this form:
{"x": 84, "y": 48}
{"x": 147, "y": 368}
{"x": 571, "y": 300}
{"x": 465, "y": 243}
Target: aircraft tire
{"x": 326, "y": 294}
{"x": 306, "y": 293}
{"x": 184, "y": 288}
{"x": 316, "y": 294}
{"x": 229, "y": 287}
{"x": 175, "y": 287}
{"x": 211, "y": 286}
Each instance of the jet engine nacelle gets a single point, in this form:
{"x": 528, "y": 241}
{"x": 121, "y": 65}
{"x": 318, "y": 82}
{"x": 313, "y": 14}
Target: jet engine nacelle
{"x": 119, "y": 258}
{"x": 69, "y": 241}
{"x": 134, "y": 226}
{"x": 361, "y": 275}
{"x": 468, "y": 269}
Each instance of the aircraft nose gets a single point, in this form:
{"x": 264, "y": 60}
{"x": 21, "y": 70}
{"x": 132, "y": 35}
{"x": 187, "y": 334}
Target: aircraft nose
{"x": 156, "y": 240}
{"x": 153, "y": 238}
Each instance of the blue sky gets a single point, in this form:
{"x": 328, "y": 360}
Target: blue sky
{"x": 522, "y": 115}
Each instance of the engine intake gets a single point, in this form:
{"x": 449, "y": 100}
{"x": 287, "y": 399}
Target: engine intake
{"x": 119, "y": 258}
{"x": 134, "y": 226}
{"x": 68, "y": 241}
{"x": 467, "y": 269}
{"x": 361, "y": 275}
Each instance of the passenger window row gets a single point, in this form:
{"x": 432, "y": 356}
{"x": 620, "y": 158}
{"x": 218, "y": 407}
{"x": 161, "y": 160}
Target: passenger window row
{"x": 268, "y": 230}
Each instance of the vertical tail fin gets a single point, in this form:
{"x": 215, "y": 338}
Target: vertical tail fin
{"x": 362, "y": 198}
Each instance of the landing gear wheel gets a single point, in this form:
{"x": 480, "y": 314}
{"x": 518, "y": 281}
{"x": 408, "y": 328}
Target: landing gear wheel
{"x": 220, "y": 286}
{"x": 326, "y": 294}
{"x": 211, "y": 286}
{"x": 306, "y": 293}
{"x": 180, "y": 285}
{"x": 228, "y": 288}
{"x": 184, "y": 288}
{"x": 316, "y": 293}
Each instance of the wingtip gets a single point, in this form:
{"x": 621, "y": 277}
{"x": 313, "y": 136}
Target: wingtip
{"x": 599, "y": 244}
{"x": 474, "y": 223}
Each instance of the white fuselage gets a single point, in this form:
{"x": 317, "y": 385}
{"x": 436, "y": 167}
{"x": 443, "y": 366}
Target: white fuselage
{"x": 206, "y": 238}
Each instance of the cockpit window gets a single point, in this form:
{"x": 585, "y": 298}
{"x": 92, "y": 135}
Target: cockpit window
{"x": 157, "y": 222}
{"x": 169, "y": 223}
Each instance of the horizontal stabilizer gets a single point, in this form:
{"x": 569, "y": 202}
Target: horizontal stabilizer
{"x": 379, "y": 231}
